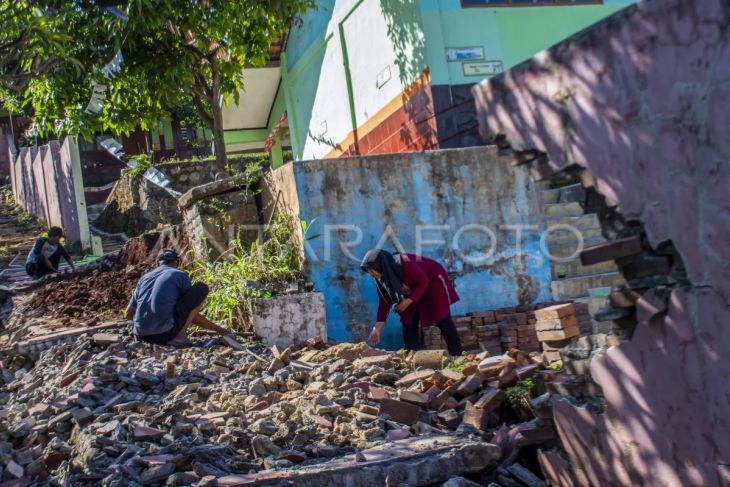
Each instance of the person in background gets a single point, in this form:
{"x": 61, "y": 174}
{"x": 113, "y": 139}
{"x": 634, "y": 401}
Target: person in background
{"x": 45, "y": 256}
{"x": 165, "y": 303}
{"x": 419, "y": 290}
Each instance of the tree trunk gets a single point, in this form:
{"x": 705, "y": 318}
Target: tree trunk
{"x": 215, "y": 103}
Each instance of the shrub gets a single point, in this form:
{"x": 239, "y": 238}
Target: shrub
{"x": 264, "y": 269}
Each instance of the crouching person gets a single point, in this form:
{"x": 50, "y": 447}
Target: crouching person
{"x": 45, "y": 256}
{"x": 165, "y": 303}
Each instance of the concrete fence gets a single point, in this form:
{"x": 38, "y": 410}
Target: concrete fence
{"x": 47, "y": 182}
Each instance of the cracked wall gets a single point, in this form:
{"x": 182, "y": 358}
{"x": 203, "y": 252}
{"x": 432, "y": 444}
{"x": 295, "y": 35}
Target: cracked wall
{"x": 641, "y": 101}
{"x": 445, "y": 193}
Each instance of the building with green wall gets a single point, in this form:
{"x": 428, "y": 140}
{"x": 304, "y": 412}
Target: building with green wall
{"x": 385, "y": 76}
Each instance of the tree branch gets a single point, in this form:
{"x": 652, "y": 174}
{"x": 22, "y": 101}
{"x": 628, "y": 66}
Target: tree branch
{"x": 201, "y": 110}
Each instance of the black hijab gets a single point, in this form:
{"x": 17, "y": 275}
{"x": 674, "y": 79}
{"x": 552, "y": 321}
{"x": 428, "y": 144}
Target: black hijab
{"x": 390, "y": 283}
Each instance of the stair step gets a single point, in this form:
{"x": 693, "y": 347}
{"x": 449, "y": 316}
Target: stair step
{"x": 576, "y": 287}
{"x": 583, "y": 222}
{"x": 555, "y": 210}
{"x": 566, "y": 194}
{"x": 575, "y": 269}
{"x": 567, "y": 237}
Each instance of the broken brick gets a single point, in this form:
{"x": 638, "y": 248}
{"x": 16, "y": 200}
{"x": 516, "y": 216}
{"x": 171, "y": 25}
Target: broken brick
{"x": 470, "y": 385}
{"x": 507, "y": 376}
{"x": 452, "y": 375}
{"x": 477, "y": 417}
{"x": 69, "y": 379}
{"x": 399, "y": 411}
{"x": 378, "y": 394}
{"x": 450, "y": 418}
{"x": 417, "y": 398}
{"x": 144, "y": 433}
{"x": 612, "y": 250}
{"x": 320, "y": 420}
{"x": 414, "y": 377}
{"x": 490, "y": 400}
{"x": 564, "y": 334}
{"x": 492, "y": 366}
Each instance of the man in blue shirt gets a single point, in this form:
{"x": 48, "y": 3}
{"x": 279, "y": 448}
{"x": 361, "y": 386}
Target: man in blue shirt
{"x": 165, "y": 303}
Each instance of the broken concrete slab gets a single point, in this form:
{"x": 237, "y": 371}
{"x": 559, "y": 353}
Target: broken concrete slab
{"x": 413, "y": 461}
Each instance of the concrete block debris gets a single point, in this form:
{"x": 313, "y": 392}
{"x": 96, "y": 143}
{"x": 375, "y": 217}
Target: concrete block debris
{"x": 106, "y": 409}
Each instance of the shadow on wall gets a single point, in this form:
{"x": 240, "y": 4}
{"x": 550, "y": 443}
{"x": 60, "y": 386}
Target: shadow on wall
{"x": 305, "y": 71}
{"x": 641, "y": 100}
{"x": 406, "y": 33}
{"x": 417, "y": 128}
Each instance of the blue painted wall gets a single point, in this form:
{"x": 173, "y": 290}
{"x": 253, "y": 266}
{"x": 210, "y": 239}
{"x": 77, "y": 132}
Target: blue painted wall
{"x": 452, "y": 188}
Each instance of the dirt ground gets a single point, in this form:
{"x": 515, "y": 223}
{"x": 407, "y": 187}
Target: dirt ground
{"x": 91, "y": 298}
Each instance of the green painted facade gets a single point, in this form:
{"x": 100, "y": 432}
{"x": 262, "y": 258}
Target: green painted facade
{"x": 242, "y": 136}
{"x": 317, "y": 67}
{"x": 507, "y": 34}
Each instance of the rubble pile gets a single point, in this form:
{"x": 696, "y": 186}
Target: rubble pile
{"x": 107, "y": 410}
{"x": 92, "y": 298}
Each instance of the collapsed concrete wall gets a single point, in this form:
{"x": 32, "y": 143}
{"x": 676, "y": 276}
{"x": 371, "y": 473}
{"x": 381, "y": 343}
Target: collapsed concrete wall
{"x": 137, "y": 205}
{"x": 220, "y": 215}
{"x": 641, "y": 101}
{"x": 451, "y": 205}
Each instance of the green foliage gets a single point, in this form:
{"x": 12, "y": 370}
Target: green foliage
{"x": 181, "y": 57}
{"x": 33, "y": 39}
{"x": 519, "y": 396}
{"x": 6, "y": 196}
{"x": 261, "y": 270}
{"x": 557, "y": 366}
{"x": 139, "y": 164}
{"x": 457, "y": 364}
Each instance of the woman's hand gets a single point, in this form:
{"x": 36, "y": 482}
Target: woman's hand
{"x": 374, "y": 336}
{"x": 403, "y": 305}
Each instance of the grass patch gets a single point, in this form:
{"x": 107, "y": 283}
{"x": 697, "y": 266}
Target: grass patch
{"x": 519, "y": 396}
{"x": 457, "y": 365}
{"x": 139, "y": 164}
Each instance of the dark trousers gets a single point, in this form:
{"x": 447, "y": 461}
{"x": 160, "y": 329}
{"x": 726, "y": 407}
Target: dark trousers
{"x": 193, "y": 297}
{"x": 38, "y": 269}
{"x": 412, "y": 337}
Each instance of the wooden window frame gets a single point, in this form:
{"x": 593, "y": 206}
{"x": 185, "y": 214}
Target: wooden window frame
{"x": 555, "y": 3}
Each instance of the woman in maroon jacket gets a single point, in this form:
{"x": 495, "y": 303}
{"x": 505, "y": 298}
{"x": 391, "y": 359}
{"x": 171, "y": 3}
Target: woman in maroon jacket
{"x": 419, "y": 290}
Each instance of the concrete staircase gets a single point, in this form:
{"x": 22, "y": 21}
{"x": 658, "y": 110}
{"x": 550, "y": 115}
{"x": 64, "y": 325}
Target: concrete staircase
{"x": 571, "y": 279}
{"x": 109, "y": 242}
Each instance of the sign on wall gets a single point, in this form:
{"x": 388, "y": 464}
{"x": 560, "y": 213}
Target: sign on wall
{"x": 482, "y": 68}
{"x": 383, "y": 77}
{"x": 464, "y": 53}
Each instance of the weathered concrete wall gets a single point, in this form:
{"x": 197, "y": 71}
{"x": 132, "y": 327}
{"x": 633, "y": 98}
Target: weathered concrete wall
{"x": 44, "y": 185}
{"x": 186, "y": 175}
{"x": 442, "y": 195}
{"x": 136, "y": 205}
{"x": 641, "y": 100}
{"x": 219, "y": 215}
{"x": 286, "y": 320}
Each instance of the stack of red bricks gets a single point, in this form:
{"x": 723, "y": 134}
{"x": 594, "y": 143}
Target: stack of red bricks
{"x": 467, "y": 333}
{"x": 432, "y": 339}
{"x": 557, "y": 326}
{"x": 484, "y": 325}
{"x": 583, "y": 315}
{"x": 496, "y": 331}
